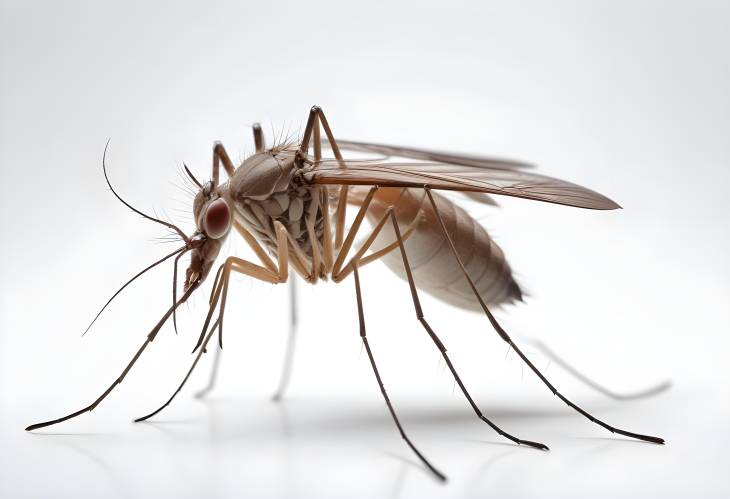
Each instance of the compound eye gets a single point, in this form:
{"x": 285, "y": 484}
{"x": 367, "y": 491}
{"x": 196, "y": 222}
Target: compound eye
{"x": 217, "y": 219}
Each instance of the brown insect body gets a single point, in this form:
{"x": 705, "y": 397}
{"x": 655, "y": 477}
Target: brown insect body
{"x": 294, "y": 205}
{"x": 265, "y": 190}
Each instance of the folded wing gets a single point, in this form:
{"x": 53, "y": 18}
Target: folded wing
{"x": 458, "y": 177}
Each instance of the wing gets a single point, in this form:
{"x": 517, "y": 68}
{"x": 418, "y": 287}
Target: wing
{"x": 480, "y": 197}
{"x": 435, "y": 156}
{"x": 504, "y": 182}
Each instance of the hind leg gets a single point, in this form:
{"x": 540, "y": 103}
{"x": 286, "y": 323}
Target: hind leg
{"x": 503, "y": 334}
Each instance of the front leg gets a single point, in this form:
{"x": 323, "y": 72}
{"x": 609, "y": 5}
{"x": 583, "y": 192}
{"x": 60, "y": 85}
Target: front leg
{"x": 281, "y": 273}
{"x": 220, "y": 293}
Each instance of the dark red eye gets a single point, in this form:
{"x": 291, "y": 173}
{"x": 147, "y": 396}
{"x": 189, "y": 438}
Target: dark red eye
{"x": 217, "y": 219}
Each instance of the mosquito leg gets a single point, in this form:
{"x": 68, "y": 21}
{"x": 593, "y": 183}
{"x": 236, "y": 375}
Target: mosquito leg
{"x": 317, "y": 117}
{"x": 258, "y": 138}
{"x": 270, "y": 265}
{"x": 554, "y": 357}
{"x": 327, "y": 249}
{"x": 221, "y": 156}
{"x": 215, "y": 293}
{"x": 328, "y": 131}
{"x": 363, "y": 335}
{"x": 503, "y": 334}
{"x": 218, "y": 285}
{"x": 310, "y": 221}
{"x": 364, "y": 260}
{"x": 343, "y": 249}
{"x": 232, "y": 264}
{"x": 190, "y": 371}
{"x": 291, "y": 340}
{"x": 342, "y": 200}
{"x": 243, "y": 267}
{"x": 304, "y": 145}
{"x": 337, "y": 277}
{"x": 316, "y": 141}
{"x": 174, "y": 290}
{"x": 311, "y": 131}
{"x": 150, "y": 338}
{"x": 255, "y": 246}
{"x": 282, "y": 243}
{"x": 442, "y": 348}
{"x": 216, "y": 359}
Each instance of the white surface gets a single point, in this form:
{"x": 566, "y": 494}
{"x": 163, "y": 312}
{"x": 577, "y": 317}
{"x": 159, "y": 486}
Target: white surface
{"x": 629, "y": 99}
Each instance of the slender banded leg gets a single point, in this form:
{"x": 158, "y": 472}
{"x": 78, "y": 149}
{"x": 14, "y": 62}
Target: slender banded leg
{"x": 345, "y": 248}
{"x": 252, "y": 270}
{"x": 503, "y": 334}
{"x": 150, "y": 338}
{"x": 356, "y": 259}
{"x": 232, "y": 264}
{"x": 364, "y": 260}
{"x": 190, "y": 371}
{"x": 363, "y": 335}
{"x": 174, "y": 290}
{"x": 442, "y": 348}
{"x": 214, "y": 295}
{"x": 290, "y": 343}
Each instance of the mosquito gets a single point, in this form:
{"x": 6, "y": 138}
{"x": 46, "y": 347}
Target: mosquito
{"x": 290, "y": 207}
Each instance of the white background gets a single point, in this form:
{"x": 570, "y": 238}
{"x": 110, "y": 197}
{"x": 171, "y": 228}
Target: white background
{"x": 628, "y": 98}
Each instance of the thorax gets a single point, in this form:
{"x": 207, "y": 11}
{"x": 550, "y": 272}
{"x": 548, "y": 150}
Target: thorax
{"x": 264, "y": 190}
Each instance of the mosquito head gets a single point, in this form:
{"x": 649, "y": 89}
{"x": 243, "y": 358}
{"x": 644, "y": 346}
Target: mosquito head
{"x": 213, "y": 218}
{"x": 202, "y": 256}
{"x": 212, "y": 212}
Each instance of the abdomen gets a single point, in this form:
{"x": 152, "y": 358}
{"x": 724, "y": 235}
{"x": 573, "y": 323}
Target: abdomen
{"x": 435, "y": 270}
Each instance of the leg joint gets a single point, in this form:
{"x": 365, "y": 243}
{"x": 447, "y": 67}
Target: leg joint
{"x": 433, "y": 336}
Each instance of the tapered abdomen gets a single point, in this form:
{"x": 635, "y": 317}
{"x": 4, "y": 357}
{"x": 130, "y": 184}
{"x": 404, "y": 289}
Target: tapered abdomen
{"x": 435, "y": 270}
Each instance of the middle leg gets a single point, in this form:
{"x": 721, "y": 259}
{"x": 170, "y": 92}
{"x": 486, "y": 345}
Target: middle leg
{"x": 363, "y": 335}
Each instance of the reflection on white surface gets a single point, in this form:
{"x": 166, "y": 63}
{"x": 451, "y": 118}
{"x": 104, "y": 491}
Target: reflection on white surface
{"x": 322, "y": 448}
